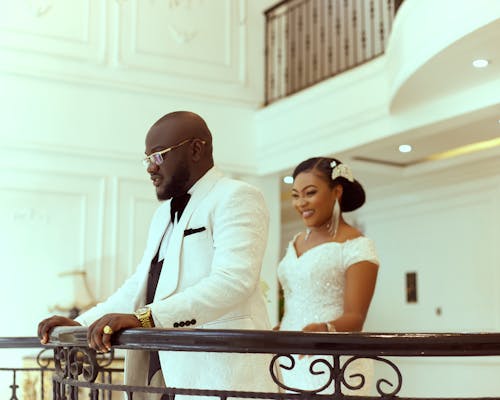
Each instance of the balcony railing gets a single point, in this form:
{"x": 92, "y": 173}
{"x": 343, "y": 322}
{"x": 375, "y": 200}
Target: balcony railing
{"x": 33, "y": 380}
{"x": 308, "y": 41}
{"x": 77, "y": 367}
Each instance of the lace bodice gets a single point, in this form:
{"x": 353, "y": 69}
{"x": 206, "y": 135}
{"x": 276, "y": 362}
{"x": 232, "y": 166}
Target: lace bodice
{"x": 313, "y": 286}
{"x": 313, "y": 283}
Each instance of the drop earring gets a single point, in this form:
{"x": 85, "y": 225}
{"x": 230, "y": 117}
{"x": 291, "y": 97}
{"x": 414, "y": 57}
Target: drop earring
{"x": 334, "y": 224}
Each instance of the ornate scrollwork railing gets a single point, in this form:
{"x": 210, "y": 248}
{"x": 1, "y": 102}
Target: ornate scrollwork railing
{"x": 26, "y": 380}
{"x": 33, "y": 380}
{"x": 330, "y": 357}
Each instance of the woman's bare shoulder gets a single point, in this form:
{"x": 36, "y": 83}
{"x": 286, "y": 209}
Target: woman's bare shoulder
{"x": 349, "y": 232}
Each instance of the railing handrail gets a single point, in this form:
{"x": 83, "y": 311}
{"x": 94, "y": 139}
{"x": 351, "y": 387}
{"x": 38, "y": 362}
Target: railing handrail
{"x": 278, "y": 5}
{"x": 21, "y": 342}
{"x": 254, "y": 341}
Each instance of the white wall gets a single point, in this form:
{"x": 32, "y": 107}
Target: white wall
{"x": 448, "y": 240}
{"x": 444, "y": 227}
{"x": 97, "y": 120}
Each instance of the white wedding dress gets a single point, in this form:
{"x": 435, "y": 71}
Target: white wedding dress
{"x": 313, "y": 287}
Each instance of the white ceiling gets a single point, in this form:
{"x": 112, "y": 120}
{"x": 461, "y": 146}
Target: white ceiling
{"x": 484, "y": 126}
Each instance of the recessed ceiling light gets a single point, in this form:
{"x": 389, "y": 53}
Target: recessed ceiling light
{"x": 480, "y": 63}
{"x": 405, "y": 148}
{"x": 288, "y": 180}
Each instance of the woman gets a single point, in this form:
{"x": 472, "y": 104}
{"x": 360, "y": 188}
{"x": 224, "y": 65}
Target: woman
{"x": 329, "y": 271}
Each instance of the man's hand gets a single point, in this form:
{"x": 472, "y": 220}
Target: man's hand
{"x": 48, "y": 324}
{"x": 100, "y": 340}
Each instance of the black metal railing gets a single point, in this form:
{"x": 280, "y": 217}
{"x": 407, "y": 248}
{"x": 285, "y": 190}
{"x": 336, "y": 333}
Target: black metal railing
{"x": 27, "y": 382}
{"x": 308, "y": 41}
{"x": 33, "y": 380}
{"x": 76, "y": 366}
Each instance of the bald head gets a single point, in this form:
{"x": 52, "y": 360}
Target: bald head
{"x": 177, "y": 126}
{"x": 186, "y": 145}
{"x": 181, "y": 125}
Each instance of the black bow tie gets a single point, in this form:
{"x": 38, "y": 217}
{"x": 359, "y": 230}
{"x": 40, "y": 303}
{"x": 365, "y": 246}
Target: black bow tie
{"x": 177, "y": 205}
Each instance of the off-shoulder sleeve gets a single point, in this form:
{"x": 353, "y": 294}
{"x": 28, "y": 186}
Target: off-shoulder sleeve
{"x": 359, "y": 249}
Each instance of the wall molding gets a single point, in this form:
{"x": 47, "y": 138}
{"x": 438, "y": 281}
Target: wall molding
{"x": 37, "y": 27}
{"x": 89, "y": 193}
{"x": 108, "y": 58}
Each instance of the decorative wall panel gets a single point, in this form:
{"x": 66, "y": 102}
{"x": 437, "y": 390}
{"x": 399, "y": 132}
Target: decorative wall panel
{"x": 177, "y": 38}
{"x": 50, "y": 223}
{"x": 63, "y": 211}
{"x": 70, "y": 29}
{"x": 198, "y": 49}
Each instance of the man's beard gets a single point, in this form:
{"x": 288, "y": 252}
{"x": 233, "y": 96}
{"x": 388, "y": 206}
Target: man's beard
{"x": 178, "y": 182}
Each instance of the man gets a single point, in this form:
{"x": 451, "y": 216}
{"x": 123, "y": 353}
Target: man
{"x": 200, "y": 269}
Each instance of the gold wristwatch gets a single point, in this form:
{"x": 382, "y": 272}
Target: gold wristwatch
{"x": 143, "y": 314}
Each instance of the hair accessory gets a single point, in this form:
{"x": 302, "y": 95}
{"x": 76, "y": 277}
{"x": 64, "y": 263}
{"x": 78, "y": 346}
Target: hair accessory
{"x": 341, "y": 170}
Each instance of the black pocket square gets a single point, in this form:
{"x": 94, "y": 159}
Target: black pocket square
{"x": 188, "y": 232}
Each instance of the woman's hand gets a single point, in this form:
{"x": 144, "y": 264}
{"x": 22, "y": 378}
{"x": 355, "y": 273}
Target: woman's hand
{"x": 316, "y": 327}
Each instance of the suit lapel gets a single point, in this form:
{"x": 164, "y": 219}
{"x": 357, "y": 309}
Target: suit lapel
{"x": 169, "y": 277}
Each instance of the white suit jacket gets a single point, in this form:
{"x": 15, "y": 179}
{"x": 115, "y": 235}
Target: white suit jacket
{"x": 209, "y": 279}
